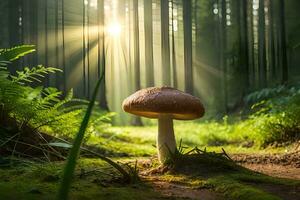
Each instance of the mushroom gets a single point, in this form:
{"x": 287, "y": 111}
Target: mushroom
{"x": 164, "y": 104}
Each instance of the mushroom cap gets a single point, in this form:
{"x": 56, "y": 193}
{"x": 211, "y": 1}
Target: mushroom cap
{"x": 153, "y": 101}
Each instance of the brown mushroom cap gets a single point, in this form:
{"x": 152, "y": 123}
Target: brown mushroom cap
{"x": 153, "y": 101}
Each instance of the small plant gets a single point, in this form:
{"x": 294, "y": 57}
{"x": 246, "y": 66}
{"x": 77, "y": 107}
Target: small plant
{"x": 74, "y": 152}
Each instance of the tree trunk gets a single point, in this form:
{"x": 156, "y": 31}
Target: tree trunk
{"x": 136, "y": 55}
{"x": 243, "y": 45}
{"x": 188, "y": 62}
{"x": 283, "y": 42}
{"x": 101, "y": 55}
{"x": 148, "y": 42}
{"x": 223, "y": 50}
{"x": 262, "y": 45}
{"x": 174, "y": 65}
{"x": 251, "y": 47}
{"x": 271, "y": 41}
{"x": 165, "y": 42}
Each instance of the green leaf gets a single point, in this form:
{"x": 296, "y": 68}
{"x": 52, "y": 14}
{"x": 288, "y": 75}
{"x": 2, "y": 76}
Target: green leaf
{"x": 60, "y": 144}
{"x": 16, "y": 52}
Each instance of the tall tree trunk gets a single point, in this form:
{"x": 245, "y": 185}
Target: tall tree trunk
{"x": 271, "y": 41}
{"x": 14, "y": 26}
{"x": 148, "y": 42}
{"x": 57, "y": 56}
{"x": 223, "y": 50}
{"x": 251, "y": 47}
{"x": 101, "y": 55}
{"x": 165, "y": 42}
{"x": 84, "y": 48}
{"x": 136, "y": 55}
{"x": 174, "y": 65}
{"x": 188, "y": 62}
{"x": 283, "y": 42}
{"x": 262, "y": 45}
{"x": 243, "y": 45}
{"x": 63, "y": 45}
{"x": 47, "y": 78}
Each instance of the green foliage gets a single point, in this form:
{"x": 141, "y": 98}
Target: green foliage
{"x": 29, "y": 106}
{"x": 32, "y": 75}
{"x": 16, "y": 52}
{"x": 37, "y": 107}
{"x": 74, "y": 152}
{"x": 277, "y": 94}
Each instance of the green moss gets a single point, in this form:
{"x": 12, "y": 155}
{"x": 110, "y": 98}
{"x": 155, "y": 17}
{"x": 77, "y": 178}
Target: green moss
{"x": 209, "y": 170}
{"x": 139, "y": 141}
{"x": 235, "y": 190}
{"x": 92, "y": 181}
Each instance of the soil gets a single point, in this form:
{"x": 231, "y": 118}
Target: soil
{"x": 275, "y": 170}
{"x": 288, "y": 159}
{"x": 178, "y": 191}
{"x": 276, "y": 165}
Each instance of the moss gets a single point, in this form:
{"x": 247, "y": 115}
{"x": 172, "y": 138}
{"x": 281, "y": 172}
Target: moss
{"x": 94, "y": 180}
{"x": 208, "y": 170}
{"x": 139, "y": 141}
{"x": 236, "y": 190}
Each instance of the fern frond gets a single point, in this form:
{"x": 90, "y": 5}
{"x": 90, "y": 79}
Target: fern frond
{"x": 3, "y": 64}
{"x": 34, "y": 74}
{"x": 66, "y": 100}
{"x": 16, "y": 52}
{"x": 51, "y": 96}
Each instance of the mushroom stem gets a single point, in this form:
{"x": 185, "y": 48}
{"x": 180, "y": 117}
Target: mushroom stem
{"x": 166, "y": 143}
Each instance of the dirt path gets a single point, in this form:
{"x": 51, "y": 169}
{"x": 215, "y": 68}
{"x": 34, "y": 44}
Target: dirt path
{"x": 277, "y": 165}
{"x": 178, "y": 191}
{"x": 275, "y": 170}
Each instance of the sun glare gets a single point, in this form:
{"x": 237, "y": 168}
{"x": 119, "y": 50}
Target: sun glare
{"x": 114, "y": 29}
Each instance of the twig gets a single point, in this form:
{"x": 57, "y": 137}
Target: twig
{"x": 225, "y": 154}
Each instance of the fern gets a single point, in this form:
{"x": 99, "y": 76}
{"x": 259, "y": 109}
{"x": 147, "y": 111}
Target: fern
{"x": 30, "y": 106}
{"x": 15, "y": 52}
{"x": 38, "y": 107}
{"x": 33, "y": 74}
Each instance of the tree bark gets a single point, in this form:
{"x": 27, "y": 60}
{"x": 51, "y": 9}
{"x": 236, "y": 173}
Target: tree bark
{"x": 223, "y": 50}
{"x": 243, "y": 45}
{"x": 271, "y": 41}
{"x": 165, "y": 42}
{"x": 188, "y": 62}
{"x": 136, "y": 54}
{"x": 148, "y": 42}
{"x": 262, "y": 45}
{"x": 174, "y": 65}
{"x": 101, "y": 55}
{"x": 283, "y": 42}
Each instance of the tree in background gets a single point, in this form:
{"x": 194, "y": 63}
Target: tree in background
{"x": 165, "y": 42}
{"x": 243, "y": 45}
{"x": 148, "y": 42}
{"x": 282, "y": 33}
{"x": 174, "y": 65}
{"x": 223, "y": 50}
{"x": 136, "y": 56}
{"x": 262, "y": 45}
{"x": 187, "y": 29}
{"x": 101, "y": 54}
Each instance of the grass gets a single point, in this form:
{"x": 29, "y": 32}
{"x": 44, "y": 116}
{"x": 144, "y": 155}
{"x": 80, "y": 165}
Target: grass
{"x": 95, "y": 179}
{"x": 140, "y": 141}
{"x": 41, "y": 181}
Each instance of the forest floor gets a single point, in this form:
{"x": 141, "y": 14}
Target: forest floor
{"x": 271, "y": 173}
{"x": 258, "y": 163}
